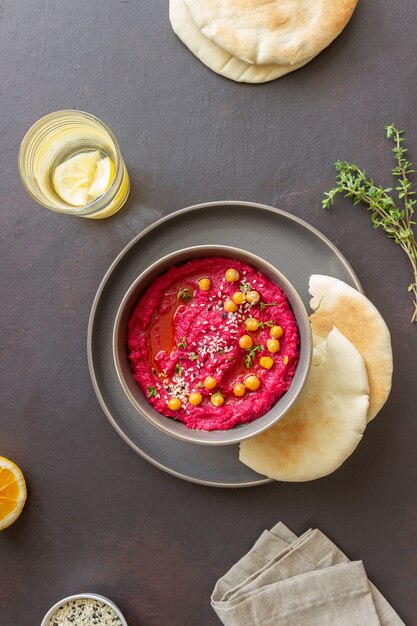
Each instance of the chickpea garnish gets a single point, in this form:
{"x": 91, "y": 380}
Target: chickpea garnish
{"x": 195, "y": 398}
{"x": 204, "y": 284}
{"x": 230, "y": 306}
{"x": 239, "y": 390}
{"x": 217, "y": 399}
{"x": 232, "y": 275}
{"x": 245, "y": 342}
{"x": 253, "y": 297}
{"x": 174, "y": 404}
{"x": 210, "y": 382}
{"x": 266, "y": 362}
{"x": 276, "y": 331}
{"x": 273, "y": 345}
{"x": 252, "y": 324}
{"x": 252, "y": 382}
{"x": 238, "y": 297}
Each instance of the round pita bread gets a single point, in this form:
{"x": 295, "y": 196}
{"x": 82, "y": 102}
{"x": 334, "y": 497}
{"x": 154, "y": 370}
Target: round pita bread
{"x": 271, "y": 31}
{"x": 325, "y": 424}
{"x": 216, "y": 58}
{"x": 337, "y": 304}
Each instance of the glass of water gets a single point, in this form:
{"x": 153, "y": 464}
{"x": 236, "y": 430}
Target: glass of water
{"x": 54, "y": 152}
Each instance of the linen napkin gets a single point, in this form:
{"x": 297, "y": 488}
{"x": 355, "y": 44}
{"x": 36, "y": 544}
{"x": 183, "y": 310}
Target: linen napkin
{"x": 286, "y": 580}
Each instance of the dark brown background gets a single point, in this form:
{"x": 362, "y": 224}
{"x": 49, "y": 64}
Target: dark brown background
{"x": 98, "y": 517}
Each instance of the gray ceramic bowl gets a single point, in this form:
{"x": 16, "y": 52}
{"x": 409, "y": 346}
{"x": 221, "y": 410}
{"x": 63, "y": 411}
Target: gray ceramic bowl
{"x": 82, "y": 596}
{"x": 177, "y": 429}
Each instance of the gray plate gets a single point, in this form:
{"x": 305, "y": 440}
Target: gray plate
{"x": 293, "y": 246}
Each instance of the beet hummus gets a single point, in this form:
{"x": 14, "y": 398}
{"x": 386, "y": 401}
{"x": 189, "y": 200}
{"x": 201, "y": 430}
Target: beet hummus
{"x": 213, "y": 343}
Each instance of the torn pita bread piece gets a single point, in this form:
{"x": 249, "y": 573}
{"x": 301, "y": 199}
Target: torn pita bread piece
{"x": 284, "y": 32}
{"x": 324, "y": 425}
{"x": 337, "y": 304}
{"x": 216, "y": 58}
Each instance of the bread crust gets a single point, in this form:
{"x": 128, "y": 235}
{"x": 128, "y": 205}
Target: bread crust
{"x": 283, "y": 32}
{"x": 216, "y": 58}
{"x": 337, "y": 304}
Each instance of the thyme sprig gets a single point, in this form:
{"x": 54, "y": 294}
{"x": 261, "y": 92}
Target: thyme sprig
{"x": 245, "y": 287}
{"x": 250, "y": 355}
{"x": 152, "y": 393}
{"x": 396, "y": 221}
{"x": 186, "y": 294}
{"x": 263, "y": 324}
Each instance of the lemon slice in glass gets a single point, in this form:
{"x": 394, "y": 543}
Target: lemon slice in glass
{"x": 103, "y": 178}
{"x": 73, "y": 178}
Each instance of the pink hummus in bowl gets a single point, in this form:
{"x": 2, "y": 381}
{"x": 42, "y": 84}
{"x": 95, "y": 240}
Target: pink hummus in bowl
{"x": 212, "y": 343}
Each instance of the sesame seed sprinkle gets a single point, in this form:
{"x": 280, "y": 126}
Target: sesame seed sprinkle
{"x": 85, "y": 612}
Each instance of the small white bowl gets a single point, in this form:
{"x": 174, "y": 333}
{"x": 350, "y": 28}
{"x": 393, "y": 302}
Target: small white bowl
{"x": 82, "y": 596}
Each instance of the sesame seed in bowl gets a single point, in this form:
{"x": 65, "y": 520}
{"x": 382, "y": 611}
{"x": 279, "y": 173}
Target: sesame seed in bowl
{"x": 84, "y": 610}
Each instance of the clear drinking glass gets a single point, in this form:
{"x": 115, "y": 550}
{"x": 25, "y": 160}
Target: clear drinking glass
{"x": 58, "y": 137}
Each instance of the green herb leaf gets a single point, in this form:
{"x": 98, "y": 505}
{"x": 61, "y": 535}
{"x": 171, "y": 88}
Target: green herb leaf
{"x": 286, "y": 360}
{"x": 251, "y": 355}
{"x": 263, "y": 324}
{"x": 152, "y": 393}
{"x": 186, "y": 294}
{"x": 397, "y": 222}
{"x": 182, "y": 343}
{"x": 193, "y": 357}
{"x": 263, "y": 305}
{"x": 178, "y": 369}
{"x": 245, "y": 287}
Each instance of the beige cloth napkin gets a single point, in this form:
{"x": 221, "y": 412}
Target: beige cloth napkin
{"x": 286, "y": 580}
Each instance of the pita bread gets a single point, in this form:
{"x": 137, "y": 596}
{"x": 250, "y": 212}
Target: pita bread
{"x": 216, "y": 58}
{"x": 325, "y": 424}
{"x": 337, "y": 304}
{"x": 283, "y": 32}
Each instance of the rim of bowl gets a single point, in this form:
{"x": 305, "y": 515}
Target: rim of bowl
{"x": 81, "y": 596}
{"x": 238, "y": 433}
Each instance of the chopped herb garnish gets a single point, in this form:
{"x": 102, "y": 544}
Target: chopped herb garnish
{"x": 220, "y": 351}
{"x": 263, "y": 324}
{"x": 286, "y": 360}
{"x": 251, "y": 355}
{"x": 263, "y": 305}
{"x": 199, "y": 385}
{"x": 178, "y": 369}
{"x": 152, "y": 393}
{"x": 193, "y": 357}
{"x": 182, "y": 343}
{"x": 245, "y": 287}
{"x": 186, "y": 294}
